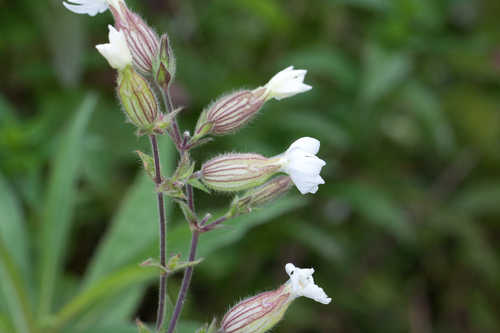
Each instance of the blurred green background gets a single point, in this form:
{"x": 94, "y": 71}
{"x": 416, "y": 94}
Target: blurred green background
{"x": 404, "y": 235}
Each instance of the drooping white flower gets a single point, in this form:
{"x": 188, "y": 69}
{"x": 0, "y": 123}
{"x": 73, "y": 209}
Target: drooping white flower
{"x": 116, "y": 51}
{"x": 287, "y": 83}
{"x": 302, "y": 164}
{"x": 302, "y": 284}
{"x": 90, "y": 7}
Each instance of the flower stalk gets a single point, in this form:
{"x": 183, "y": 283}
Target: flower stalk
{"x": 163, "y": 236}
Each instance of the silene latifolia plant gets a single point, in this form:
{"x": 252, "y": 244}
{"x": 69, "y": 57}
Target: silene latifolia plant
{"x": 145, "y": 66}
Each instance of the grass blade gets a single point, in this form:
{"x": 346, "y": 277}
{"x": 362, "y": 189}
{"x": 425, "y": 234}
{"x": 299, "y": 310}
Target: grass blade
{"x": 59, "y": 203}
{"x": 15, "y": 293}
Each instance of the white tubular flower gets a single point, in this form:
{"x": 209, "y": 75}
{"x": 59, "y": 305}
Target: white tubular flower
{"x": 287, "y": 83}
{"x": 116, "y": 51}
{"x": 90, "y": 7}
{"x": 302, "y": 284}
{"x": 302, "y": 164}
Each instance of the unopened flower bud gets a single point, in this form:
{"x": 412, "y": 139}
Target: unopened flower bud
{"x": 260, "y": 313}
{"x": 164, "y": 65}
{"x": 142, "y": 40}
{"x": 230, "y": 112}
{"x": 138, "y": 100}
{"x": 236, "y": 172}
{"x": 261, "y": 195}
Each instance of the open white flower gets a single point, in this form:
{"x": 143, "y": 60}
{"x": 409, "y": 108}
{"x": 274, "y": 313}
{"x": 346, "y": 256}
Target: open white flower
{"x": 90, "y": 7}
{"x": 287, "y": 83}
{"x": 116, "y": 51}
{"x": 302, "y": 284}
{"x": 302, "y": 164}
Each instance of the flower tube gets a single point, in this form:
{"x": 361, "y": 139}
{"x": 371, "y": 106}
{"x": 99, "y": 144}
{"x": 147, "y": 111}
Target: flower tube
{"x": 260, "y": 313}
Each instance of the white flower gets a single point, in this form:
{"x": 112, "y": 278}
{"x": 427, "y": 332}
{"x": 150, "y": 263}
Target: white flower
{"x": 287, "y": 83}
{"x": 302, "y": 164}
{"x": 116, "y": 51}
{"x": 90, "y": 7}
{"x": 302, "y": 284}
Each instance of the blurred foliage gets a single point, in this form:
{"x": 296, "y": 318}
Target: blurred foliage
{"x": 406, "y": 102}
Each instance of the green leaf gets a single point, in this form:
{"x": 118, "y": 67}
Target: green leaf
{"x": 383, "y": 71}
{"x": 134, "y": 228}
{"x": 375, "y": 5}
{"x": 15, "y": 293}
{"x": 59, "y": 203}
{"x": 148, "y": 164}
{"x": 12, "y": 228}
{"x": 377, "y": 207}
{"x": 102, "y": 290}
{"x": 479, "y": 199}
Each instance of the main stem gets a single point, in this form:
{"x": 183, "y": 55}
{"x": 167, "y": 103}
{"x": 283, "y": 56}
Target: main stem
{"x": 163, "y": 236}
{"x": 188, "y": 273}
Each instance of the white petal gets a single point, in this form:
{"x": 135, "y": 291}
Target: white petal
{"x": 116, "y": 51}
{"x": 310, "y": 145}
{"x": 302, "y": 165}
{"x": 302, "y": 284}
{"x": 90, "y": 7}
{"x": 286, "y": 83}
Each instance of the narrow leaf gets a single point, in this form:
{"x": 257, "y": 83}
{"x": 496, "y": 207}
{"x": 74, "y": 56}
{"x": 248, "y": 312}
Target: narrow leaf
{"x": 15, "y": 292}
{"x": 103, "y": 289}
{"x": 60, "y": 200}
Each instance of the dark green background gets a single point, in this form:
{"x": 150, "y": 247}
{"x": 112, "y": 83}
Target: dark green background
{"x": 406, "y": 103}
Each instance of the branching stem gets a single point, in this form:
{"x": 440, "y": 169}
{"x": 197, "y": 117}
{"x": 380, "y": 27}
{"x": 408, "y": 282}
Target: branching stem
{"x": 163, "y": 233}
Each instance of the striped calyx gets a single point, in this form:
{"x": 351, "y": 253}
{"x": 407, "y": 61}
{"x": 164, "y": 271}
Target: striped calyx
{"x": 142, "y": 40}
{"x": 257, "y": 314}
{"x": 236, "y": 172}
{"x": 260, "y": 313}
{"x": 138, "y": 100}
{"x": 230, "y": 112}
{"x": 261, "y": 195}
{"x": 164, "y": 64}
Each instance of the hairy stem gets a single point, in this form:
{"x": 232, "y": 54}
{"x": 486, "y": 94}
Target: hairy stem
{"x": 214, "y": 224}
{"x": 188, "y": 273}
{"x": 163, "y": 236}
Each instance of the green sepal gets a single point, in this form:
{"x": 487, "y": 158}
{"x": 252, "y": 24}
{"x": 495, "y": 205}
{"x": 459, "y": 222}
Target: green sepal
{"x": 203, "y": 127}
{"x": 171, "y": 188}
{"x": 174, "y": 264}
{"x": 212, "y": 328}
{"x": 148, "y": 163}
{"x": 165, "y": 121}
{"x": 189, "y": 215}
{"x": 142, "y": 328}
{"x": 195, "y": 182}
{"x": 185, "y": 168}
{"x": 164, "y": 66}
